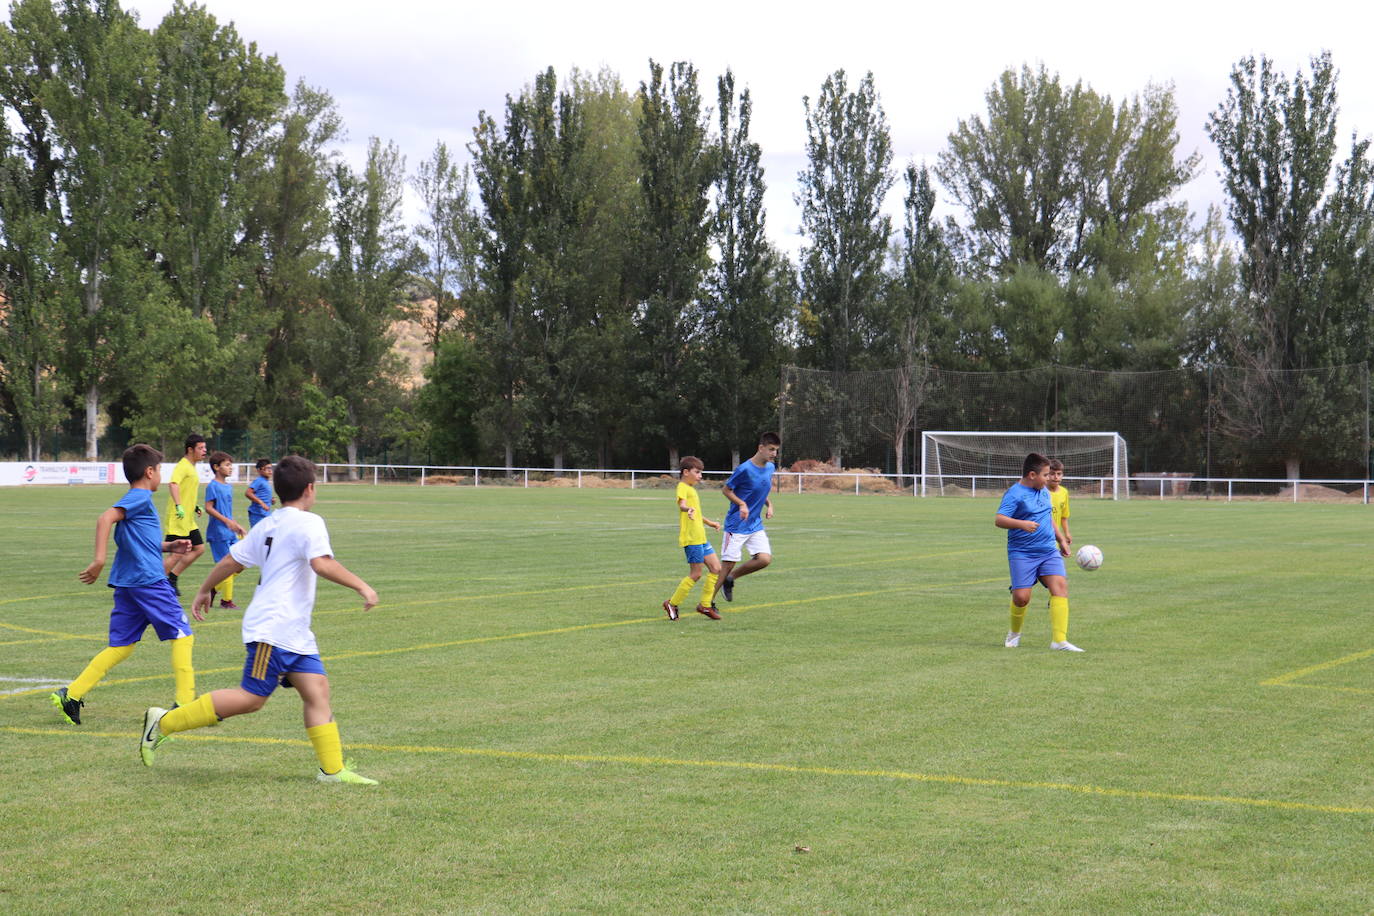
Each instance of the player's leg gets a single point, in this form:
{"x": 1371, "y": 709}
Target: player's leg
{"x": 322, "y": 730}
{"x": 708, "y": 590}
{"x": 1058, "y": 584}
{"x": 760, "y": 555}
{"x": 164, "y": 612}
{"x": 1023, "y": 577}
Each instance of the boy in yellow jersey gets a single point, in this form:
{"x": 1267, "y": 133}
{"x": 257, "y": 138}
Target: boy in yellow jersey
{"x": 1059, "y": 504}
{"x": 291, "y": 547}
{"x": 142, "y": 595}
{"x": 183, "y": 505}
{"x": 691, "y": 538}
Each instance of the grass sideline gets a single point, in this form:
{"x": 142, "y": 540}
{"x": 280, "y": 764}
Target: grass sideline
{"x": 548, "y": 743}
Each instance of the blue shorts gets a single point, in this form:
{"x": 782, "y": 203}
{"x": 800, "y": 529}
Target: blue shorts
{"x": 266, "y": 665}
{"x": 220, "y": 549}
{"x": 1026, "y": 571}
{"x": 137, "y": 606}
{"x": 697, "y": 553}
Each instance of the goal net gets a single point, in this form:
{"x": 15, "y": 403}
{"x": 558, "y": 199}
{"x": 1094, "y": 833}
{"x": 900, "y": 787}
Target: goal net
{"x": 962, "y": 461}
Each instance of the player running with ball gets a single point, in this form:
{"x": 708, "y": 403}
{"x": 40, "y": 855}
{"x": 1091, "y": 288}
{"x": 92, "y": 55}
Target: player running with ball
{"x": 1035, "y": 552}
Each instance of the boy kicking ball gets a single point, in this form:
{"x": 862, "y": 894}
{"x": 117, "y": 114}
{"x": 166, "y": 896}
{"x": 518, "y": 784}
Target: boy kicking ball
{"x": 291, "y": 547}
{"x": 1035, "y": 552}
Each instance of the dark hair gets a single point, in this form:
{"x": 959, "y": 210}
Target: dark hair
{"x": 217, "y": 457}
{"x": 690, "y": 461}
{"x": 262, "y": 463}
{"x": 193, "y": 440}
{"x": 292, "y": 476}
{"x": 769, "y": 438}
{"x": 1056, "y": 464}
{"x": 1034, "y": 462}
{"x": 137, "y": 459}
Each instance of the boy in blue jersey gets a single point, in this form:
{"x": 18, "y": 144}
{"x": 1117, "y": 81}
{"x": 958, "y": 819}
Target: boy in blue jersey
{"x": 259, "y": 493}
{"x": 222, "y": 529}
{"x": 748, "y": 490}
{"x": 1035, "y": 552}
{"x": 142, "y": 594}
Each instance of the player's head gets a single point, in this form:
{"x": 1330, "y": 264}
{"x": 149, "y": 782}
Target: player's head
{"x": 1035, "y": 463}
{"x": 690, "y": 463}
{"x": 218, "y": 458}
{"x": 138, "y": 460}
{"x": 262, "y": 463}
{"x": 292, "y": 477}
{"x": 195, "y": 444}
{"x": 770, "y": 443}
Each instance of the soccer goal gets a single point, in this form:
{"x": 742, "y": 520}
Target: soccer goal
{"x": 964, "y": 460}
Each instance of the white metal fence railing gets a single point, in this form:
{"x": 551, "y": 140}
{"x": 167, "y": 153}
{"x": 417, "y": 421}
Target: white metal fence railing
{"x": 1146, "y": 486}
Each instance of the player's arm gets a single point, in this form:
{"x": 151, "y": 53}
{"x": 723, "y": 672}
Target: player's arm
{"x": 253, "y": 497}
{"x": 103, "y": 525}
{"x": 329, "y": 568}
{"x": 175, "y": 490}
{"x": 683, "y": 507}
{"x": 223, "y": 570}
{"x": 1020, "y": 524}
{"x": 224, "y": 519}
{"x": 767, "y": 509}
{"x": 730, "y": 495}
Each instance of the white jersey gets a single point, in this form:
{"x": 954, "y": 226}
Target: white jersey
{"x": 282, "y": 545}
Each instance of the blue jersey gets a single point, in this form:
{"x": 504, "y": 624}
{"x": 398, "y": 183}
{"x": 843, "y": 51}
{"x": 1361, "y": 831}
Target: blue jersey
{"x": 262, "y": 487}
{"x": 752, "y": 484}
{"x": 1025, "y": 503}
{"x": 138, "y": 542}
{"x": 223, "y": 497}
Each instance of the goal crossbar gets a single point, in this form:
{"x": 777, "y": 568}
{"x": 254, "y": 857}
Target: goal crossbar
{"x": 999, "y": 454}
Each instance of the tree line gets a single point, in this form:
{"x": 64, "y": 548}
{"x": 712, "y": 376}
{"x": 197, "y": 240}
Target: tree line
{"x": 182, "y": 247}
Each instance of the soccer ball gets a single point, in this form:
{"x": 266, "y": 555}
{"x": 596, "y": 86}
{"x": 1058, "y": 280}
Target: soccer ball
{"x": 1089, "y": 557}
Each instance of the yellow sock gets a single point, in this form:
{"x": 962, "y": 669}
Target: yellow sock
{"x": 182, "y": 669}
{"x": 708, "y": 591}
{"x": 683, "y": 588}
{"x": 1018, "y": 617}
{"x": 1059, "y": 619}
{"x": 198, "y": 713}
{"x": 99, "y": 666}
{"x": 226, "y": 589}
{"x": 328, "y": 748}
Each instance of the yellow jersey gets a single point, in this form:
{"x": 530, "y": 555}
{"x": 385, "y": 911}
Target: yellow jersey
{"x": 188, "y": 482}
{"x": 691, "y": 531}
{"x": 1059, "y": 505}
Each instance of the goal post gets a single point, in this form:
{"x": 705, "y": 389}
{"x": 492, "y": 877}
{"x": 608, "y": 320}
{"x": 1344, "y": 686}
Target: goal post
{"x": 954, "y": 458}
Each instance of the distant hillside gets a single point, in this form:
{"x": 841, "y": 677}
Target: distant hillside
{"x": 413, "y": 347}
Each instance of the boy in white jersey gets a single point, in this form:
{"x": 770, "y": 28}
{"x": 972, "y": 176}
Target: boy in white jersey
{"x": 291, "y": 547}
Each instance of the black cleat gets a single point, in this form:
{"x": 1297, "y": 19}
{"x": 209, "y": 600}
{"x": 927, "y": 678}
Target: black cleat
{"x": 727, "y": 588}
{"x": 70, "y": 709}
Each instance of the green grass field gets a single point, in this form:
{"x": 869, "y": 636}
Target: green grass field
{"x": 850, "y": 738}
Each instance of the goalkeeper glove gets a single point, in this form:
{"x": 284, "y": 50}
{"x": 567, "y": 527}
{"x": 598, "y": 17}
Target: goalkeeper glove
{"x": 181, "y": 513}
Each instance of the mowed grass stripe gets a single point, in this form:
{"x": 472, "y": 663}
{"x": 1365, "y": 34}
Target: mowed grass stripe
{"x": 755, "y": 767}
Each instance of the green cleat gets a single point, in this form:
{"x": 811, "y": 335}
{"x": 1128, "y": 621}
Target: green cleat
{"x": 151, "y": 738}
{"x": 70, "y": 709}
{"x": 346, "y": 775}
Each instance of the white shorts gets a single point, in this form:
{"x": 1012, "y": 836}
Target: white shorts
{"x": 736, "y": 545}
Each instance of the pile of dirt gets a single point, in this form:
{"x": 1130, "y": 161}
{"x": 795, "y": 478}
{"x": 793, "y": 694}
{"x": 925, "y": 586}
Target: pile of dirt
{"x": 821, "y": 475}
{"x": 1313, "y": 492}
{"x": 439, "y": 480}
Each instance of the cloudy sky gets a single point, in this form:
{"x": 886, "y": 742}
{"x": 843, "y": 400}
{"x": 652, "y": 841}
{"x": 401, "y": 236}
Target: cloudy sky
{"x": 417, "y": 72}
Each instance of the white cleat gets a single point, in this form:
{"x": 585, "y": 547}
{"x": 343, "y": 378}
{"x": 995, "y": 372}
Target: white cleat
{"x": 1065, "y": 647}
{"x": 1012, "y": 641}
{"x": 151, "y": 737}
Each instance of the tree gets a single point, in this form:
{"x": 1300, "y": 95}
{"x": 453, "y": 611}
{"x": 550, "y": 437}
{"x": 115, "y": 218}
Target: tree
{"x": 743, "y": 315}
{"x": 500, "y": 164}
{"x": 351, "y": 347}
{"x": 448, "y": 238}
{"x": 678, "y": 167}
{"x": 1060, "y": 178}
{"x": 97, "y": 70}
{"x": 289, "y": 223}
{"x": 1304, "y": 261}
{"x": 842, "y": 191}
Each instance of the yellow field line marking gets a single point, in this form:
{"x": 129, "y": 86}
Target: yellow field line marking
{"x": 1285, "y": 680}
{"x": 475, "y": 640}
{"x": 756, "y": 767}
{"x": 53, "y": 633}
{"x": 42, "y": 597}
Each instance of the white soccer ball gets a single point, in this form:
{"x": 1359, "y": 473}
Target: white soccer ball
{"x": 1089, "y": 557}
